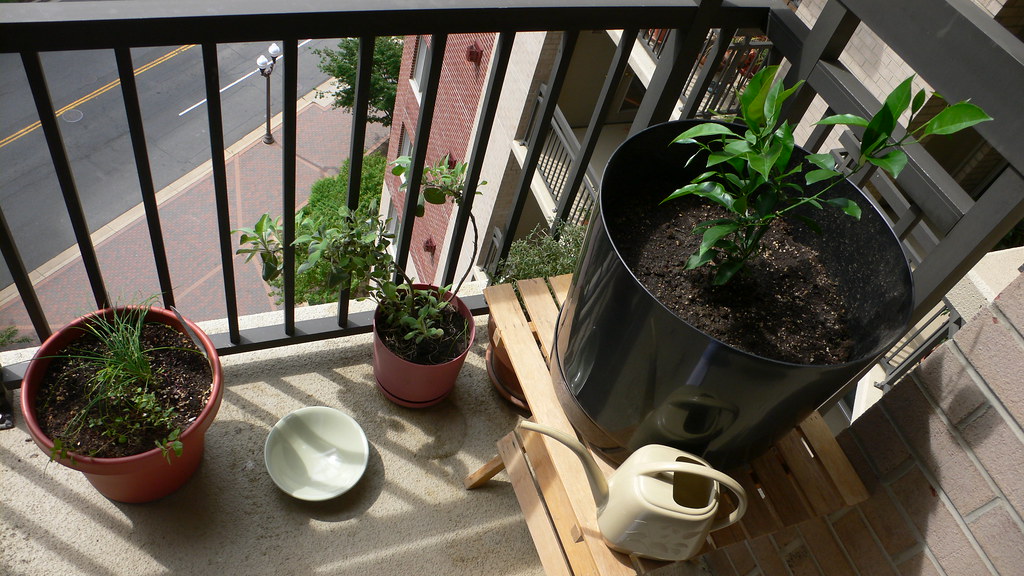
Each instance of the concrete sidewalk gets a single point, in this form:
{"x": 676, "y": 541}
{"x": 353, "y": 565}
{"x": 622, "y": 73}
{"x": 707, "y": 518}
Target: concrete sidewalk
{"x": 188, "y": 219}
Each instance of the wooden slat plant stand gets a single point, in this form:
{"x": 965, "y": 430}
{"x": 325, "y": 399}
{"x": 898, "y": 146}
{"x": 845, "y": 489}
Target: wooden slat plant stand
{"x": 803, "y": 475}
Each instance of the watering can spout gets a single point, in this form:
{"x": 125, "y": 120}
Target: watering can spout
{"x": 598, "y": 483}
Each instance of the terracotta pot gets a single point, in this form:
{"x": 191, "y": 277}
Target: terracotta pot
{"x": 500, "y": 371}
{"x": 418, "y": 385}
{"x": 134, "y": 479}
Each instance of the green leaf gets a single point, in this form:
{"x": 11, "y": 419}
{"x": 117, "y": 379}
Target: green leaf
{"x": 782, "y": 97}
{"x": 899, "y": 99}
{"x": 716, "y": 193}
{"x": 893, "y": 162}
{"x": 716, "y": 158}
{"x": 737, "y": 147}
{"x": 819, "y": 175}
{"x": 702, "y": 131}
{"x": 699, "y": 259}
{"x": 846, "y": 205}
{"x": 824, "y": 161}
{"x": 270, "y": 271}
{"x": 956, "y": 118}
{"x": 763, "y": 163}
{"x": 726, "y": 272}
{"x": 434, "y": 195}
{"x": 878, "y": 131}
{"x": 703, "y": 226}
{"x": 919, "y": 100}
{"x": 766, "y": 202}
{"x": 844, "y": 119}
{"x": 714, "y": 234}
{"x": 752, "y": 100}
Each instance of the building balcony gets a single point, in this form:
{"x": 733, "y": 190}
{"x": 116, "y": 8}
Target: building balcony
{"x": 558, "y": 86}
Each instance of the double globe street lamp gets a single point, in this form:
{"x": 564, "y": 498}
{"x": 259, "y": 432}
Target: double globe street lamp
{"x": 266, "y": 69}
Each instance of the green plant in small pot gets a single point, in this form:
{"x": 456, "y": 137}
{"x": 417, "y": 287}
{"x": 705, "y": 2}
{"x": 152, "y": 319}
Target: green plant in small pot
{"x": 125, "y": 395}
{"x": 733, "y": 282}
{"x": 422, "y": 333}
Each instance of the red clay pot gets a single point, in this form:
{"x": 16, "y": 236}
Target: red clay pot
{"x": 418, "y": 385}
{"x": 133, "y": 479}
{"x": 499, "y": 368}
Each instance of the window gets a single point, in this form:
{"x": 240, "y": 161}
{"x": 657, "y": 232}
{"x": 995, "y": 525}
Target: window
{"x": 420, "y": 67}
{"x": 404, "y": 149}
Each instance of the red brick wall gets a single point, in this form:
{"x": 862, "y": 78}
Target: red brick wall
{"x": 459, "y": 92}
{"x": 943, "y": 455}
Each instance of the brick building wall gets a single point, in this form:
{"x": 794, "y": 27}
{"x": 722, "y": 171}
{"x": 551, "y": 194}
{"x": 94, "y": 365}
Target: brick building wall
{"x": 455, "y": 114}
{"x": 943, "y": 457}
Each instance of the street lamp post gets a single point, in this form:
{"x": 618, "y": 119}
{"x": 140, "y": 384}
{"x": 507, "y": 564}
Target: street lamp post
{"x": 266, "y": 69}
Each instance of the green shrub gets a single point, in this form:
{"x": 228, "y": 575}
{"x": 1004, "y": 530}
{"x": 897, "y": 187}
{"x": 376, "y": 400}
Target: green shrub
{"x": 540, "y": 255}
{"x": 325, "y": 197}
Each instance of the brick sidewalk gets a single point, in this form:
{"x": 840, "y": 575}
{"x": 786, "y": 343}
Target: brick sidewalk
{"x": 188, "y": 218}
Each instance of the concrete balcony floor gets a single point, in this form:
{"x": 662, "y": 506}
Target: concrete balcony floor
{"x": 409, "y": 515}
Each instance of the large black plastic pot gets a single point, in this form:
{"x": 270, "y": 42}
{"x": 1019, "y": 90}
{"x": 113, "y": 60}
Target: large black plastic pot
{"x": 629, "y": 372}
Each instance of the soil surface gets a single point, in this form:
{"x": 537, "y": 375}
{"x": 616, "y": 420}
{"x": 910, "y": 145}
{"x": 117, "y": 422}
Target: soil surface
{"x": 430, "y": 350}
{"x": 183, "y": 383}
{"x": 783, "y": 305}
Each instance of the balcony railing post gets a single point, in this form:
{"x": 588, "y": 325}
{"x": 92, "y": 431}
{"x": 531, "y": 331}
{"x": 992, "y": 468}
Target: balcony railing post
{"x": 495, "y": 81}
{"x": 581, "y": 163}
{"x": 683, "y": 48}
{"x": 16, "y": 265}
{"x": 438, "y": 44}
{"x": 62, "y": 166}
{"x": 289, "y": 151}
{"x": 826, "y": 41}
{"x": 537, "y": 136}
{"x": 133, "y": 111}
{"x": 364, "y": 72}
{"x": 220, "y": 185}
{"x": 707, "y": 72}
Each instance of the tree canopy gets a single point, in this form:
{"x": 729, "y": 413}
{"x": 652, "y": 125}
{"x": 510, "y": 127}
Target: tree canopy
{"x": 342, "y": 64}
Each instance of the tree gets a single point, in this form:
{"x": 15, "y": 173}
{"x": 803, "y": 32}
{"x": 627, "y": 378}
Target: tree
{"x": 343, "y": 62}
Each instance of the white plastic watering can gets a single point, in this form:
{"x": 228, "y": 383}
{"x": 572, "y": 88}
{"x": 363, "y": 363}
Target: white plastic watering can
{"x": 644, "y": 510}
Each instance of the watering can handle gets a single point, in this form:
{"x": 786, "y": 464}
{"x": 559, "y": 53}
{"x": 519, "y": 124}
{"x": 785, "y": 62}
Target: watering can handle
{"x": 701, "y": 470}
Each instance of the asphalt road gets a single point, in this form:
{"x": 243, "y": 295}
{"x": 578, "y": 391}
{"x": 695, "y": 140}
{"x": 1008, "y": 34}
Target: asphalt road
{"x": 86, "y": 93}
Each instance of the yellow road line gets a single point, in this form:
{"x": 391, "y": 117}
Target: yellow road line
{"x": 102, "y": 90}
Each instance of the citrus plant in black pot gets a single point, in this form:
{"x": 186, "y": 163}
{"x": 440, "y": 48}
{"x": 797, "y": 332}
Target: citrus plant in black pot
{"x": 422, "y": 333}
{"x": 731, "y": 282}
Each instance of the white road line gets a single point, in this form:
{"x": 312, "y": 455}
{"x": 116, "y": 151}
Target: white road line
{"x": 203, "y": 101}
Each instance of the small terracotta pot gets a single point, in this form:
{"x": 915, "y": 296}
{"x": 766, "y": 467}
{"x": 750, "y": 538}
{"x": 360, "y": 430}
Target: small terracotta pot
{"x": 418, "y": 385}
{"x": 502, "y": 374}
{"x": 142, "y": 477}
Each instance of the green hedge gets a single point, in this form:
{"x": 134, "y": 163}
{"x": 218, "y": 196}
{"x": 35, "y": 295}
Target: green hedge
{"x": 325, "y": 196}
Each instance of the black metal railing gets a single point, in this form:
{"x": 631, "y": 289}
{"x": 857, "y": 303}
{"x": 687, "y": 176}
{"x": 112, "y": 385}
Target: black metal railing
{"x": 985, "y": 64}
{"x": 559, "y": 151}
{"x": 654, "y": 40}
{"x": 29, "y": 29}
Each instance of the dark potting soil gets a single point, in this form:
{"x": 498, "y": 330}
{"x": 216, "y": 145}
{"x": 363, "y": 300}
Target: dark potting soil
{"x": 430, "y": 350}
{"x": 783, "y": 305}
{"x": 183, "y": 382}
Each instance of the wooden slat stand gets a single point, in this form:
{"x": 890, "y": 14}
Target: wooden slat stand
{"x": 803, "y": 475}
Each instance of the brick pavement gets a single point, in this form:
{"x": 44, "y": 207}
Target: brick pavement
{"x": 188, "y": 218}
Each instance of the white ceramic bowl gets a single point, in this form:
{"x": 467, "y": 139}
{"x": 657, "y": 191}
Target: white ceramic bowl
{"x": 316, "y": 453}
